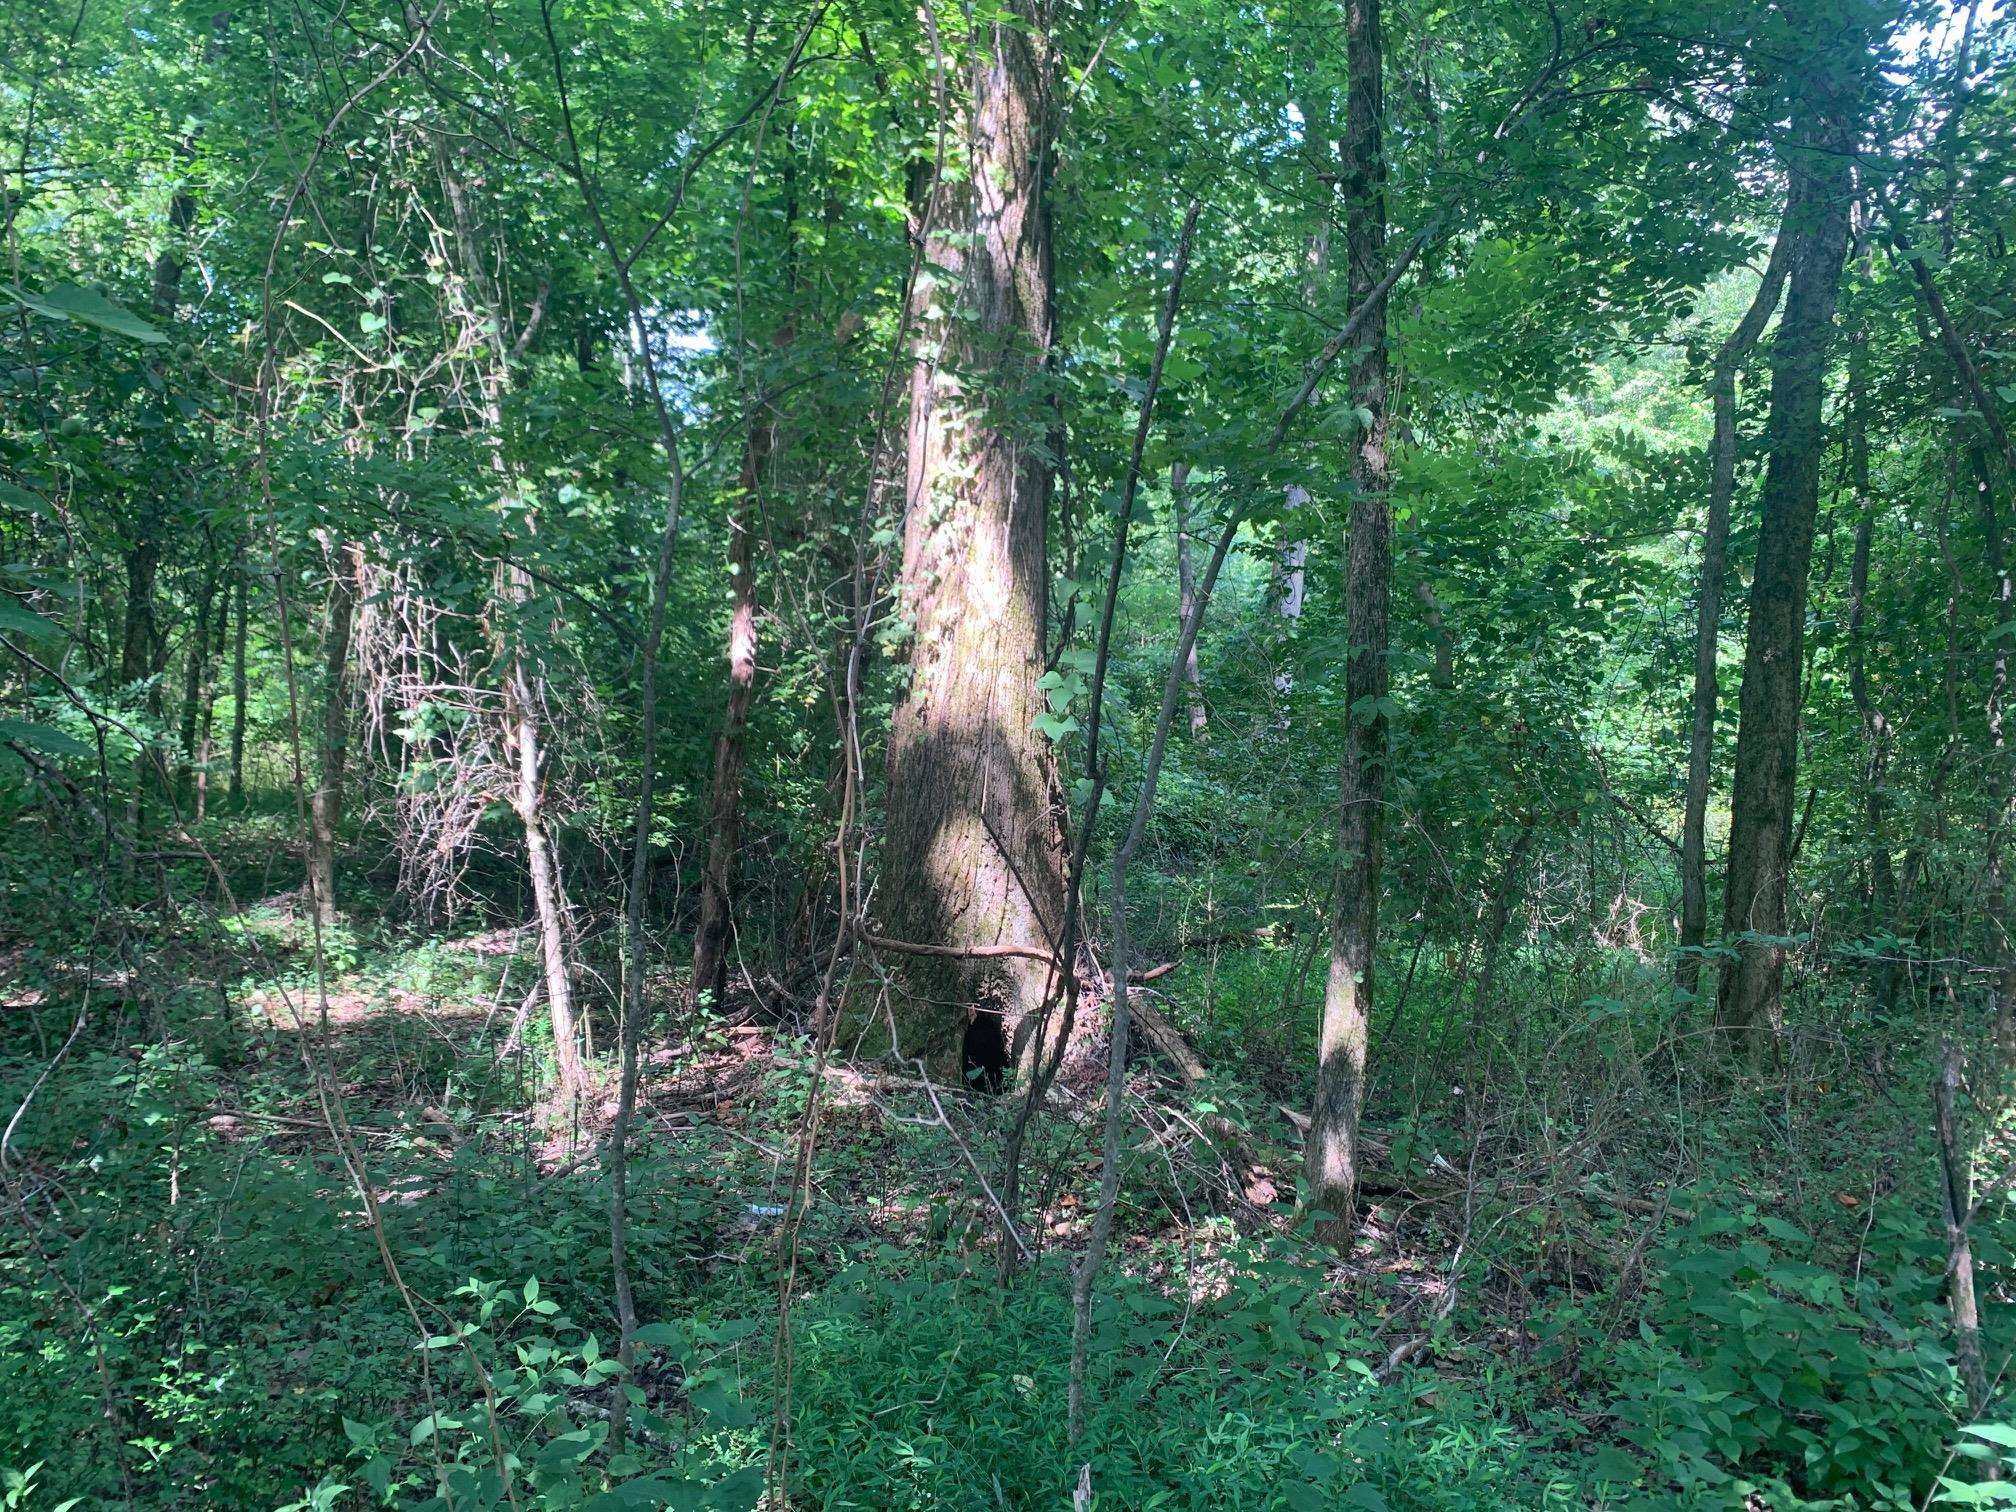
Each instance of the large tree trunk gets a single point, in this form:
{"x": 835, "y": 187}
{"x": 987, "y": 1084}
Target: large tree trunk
{"x": 724, "y": 821}
{"x": 325, "y": 806}
{"x": 1354, "y": 926}
{"x": 1767, "y": 740}
{"x": 1186, "y": 596}
{"x": 1708, "y": 606}
{"x": 973, "y": 853}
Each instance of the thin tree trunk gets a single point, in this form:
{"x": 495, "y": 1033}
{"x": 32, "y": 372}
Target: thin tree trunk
{"x": 1708, "y": 604}
{"x": 524, "y": 690}
{"x": 1186, "y": 595}
{"x": 724, "y": 820}
{"x": 238, "y": 690}
{"x": 1086, "y": 1273}
{"x": 206, "y": 741}
{"x": 716, "y": 925}
{"x": 1504, "y": 898}
{"x": 195, "y": 671}
{"x": 1333, "y": 1152}
{"x": 325, "y": 807}
{"x": 528, "y": 801}
{"x": 1988, "y": 414}
{"x": 1956, "y": 1201}
{"x": 973, "y": 851}
{"x": 1995, "y": 885}
{"x": 1875, "y": 727}
{"x": 1767, "y": 741}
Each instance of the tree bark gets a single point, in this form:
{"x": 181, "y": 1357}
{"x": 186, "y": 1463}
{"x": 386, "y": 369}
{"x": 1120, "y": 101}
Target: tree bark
{"x": 524, "y": 689}
{"x": 1767, "y": 741}
{"x": 1186, "y": 596}
{"x": 543, "y": 865}
{"x": 1332, "y": 1151}
{"x": 1708, "y": 604}
{"x": 973, "y": 852}
{"x": 1505, "y": 893}
{"x": 196, "y": 670}
{"x": 724, "y": 820}
{"x": 1875, "y": 726}
{"x": 1956, "y": 1201}
{"x": 325, "y": 806}
{"x": 238, "y": 691}
{"x": 716, "y": 924}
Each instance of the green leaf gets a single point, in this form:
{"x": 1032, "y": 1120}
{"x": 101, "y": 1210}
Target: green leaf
{"x": 72, "y": 302}
{"x": 652, "y": 1492}
{"x": 45, "y": 738}
{"x": 20, "y": 498}
{"x": 18, "y": 619}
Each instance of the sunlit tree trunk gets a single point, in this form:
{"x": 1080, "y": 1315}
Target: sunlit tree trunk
{"x": 1767, "y": 740}
{"x": 1333, "y": 1151}
{"x": 325, "y": 805}
{"x": 541, "y": 862}
{"x": 972, "y": 854}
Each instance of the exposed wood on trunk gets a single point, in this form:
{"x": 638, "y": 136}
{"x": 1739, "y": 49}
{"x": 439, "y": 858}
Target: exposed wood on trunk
{"x": 1767, "y": 742}
{"x": 724, "y": 819}
{"x": 715, "y": 926}
{"x": 1354, "y": 929}
{"x": 543, "y": 866}
{"x": 972, "y": 849}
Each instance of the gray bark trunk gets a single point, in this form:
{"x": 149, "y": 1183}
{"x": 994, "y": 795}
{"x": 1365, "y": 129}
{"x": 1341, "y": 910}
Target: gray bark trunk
{"x": 973, "y": 853}
{"x": 1767, "y": 741}
{"x": 1333, "y": 1151}
{"x": 1708, "y": 606}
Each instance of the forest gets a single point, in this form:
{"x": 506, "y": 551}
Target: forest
{"x": 1123, "y": 754}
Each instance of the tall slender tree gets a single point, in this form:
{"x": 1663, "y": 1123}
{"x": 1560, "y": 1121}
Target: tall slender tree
{"x": 1708, "y": 604}
{"x": 1767, "y": 740}
{"x": 1333, "y": 1152}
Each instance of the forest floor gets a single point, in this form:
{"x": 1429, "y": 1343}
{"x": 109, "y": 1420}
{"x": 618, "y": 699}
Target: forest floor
{"x": 1617, "y": 1287}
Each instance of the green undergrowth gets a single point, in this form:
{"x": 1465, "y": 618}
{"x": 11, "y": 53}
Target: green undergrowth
{"x": 195, "y": 1313}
